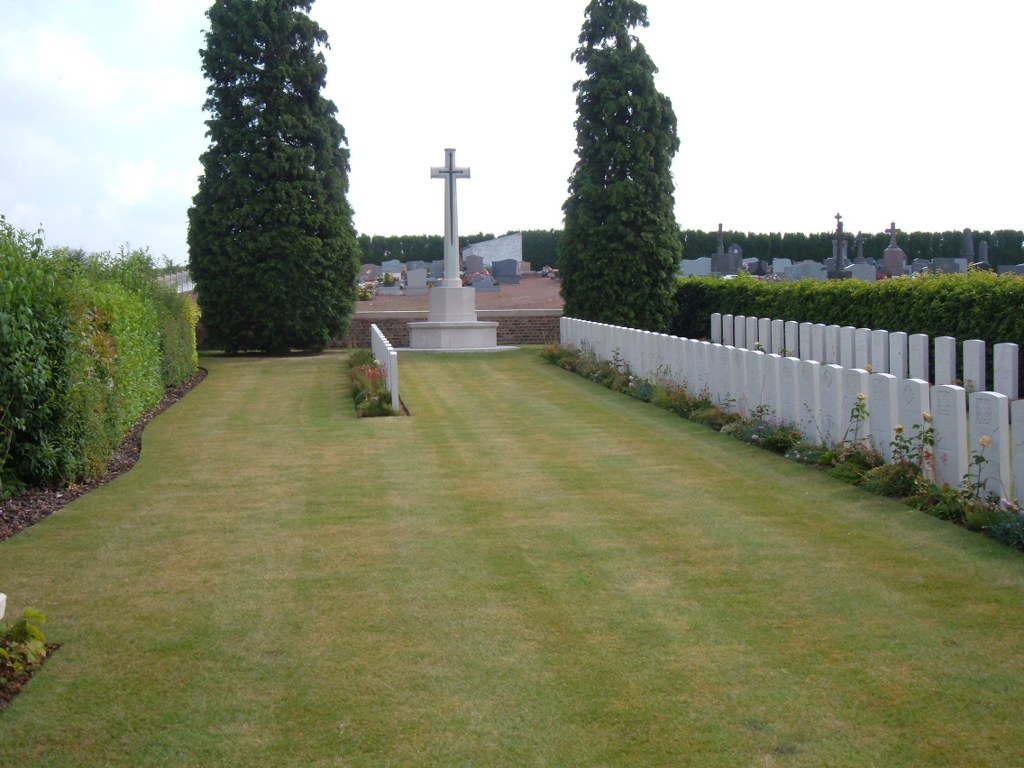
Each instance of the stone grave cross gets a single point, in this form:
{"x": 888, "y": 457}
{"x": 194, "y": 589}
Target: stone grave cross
{"x": 451, "y": 216}
{"x": 892, "y": 232}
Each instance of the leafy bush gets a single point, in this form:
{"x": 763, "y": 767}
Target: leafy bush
{"x": 87, "y": 345}
{"x": 22, "y": 647}
{"x": 893, "y": 480}
{"x": 1009, "y": 530}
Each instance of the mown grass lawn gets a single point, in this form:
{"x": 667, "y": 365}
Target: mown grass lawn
{"x": 530, "y": 570}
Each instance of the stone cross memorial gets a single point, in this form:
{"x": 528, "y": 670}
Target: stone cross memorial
{"x": 451, "y": 216}
{"x": 451, "y": 324}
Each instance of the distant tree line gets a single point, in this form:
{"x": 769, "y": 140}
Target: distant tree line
{"x": 539, "y": 247}
{"x": 1005, "y": 246}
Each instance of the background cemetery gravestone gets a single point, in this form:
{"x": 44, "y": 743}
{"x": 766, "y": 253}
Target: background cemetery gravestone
{"x": 473, "y": 263}
{"x": 865, "y": 272}
{"x": 416, "y": 281}
{"x": 812, "y": 270}
{"x": 484, "y": 284}
{"x": 506, "y": 271}
{"x": 695, "y": 267}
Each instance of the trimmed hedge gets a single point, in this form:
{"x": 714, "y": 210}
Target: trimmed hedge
{"x": 87, "y": 346}
{"x": 976, "y": 305}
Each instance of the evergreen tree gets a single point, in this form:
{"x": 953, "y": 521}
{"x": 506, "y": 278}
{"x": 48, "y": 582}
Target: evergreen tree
{"x": 621, "y": 245}
{"x": 271, "y": 243}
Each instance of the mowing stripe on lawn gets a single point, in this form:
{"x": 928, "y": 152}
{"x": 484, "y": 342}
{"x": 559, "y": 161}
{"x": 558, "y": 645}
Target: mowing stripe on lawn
{"x": 529, "y": 570}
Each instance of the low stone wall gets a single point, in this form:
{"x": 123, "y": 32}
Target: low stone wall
{"x": 515, "y": 326}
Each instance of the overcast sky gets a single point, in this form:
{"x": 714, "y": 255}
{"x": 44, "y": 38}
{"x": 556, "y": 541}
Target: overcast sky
{"x": 789, "y": 112}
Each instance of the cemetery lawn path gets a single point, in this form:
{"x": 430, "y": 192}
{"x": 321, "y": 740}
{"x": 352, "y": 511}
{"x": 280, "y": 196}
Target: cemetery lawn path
{"x": 528, "y": 571}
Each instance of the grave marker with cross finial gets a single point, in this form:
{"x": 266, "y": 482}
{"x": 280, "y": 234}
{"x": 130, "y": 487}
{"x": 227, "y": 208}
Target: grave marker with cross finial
{"x": 892, "y": 232}
{"x": 839, "y": 245}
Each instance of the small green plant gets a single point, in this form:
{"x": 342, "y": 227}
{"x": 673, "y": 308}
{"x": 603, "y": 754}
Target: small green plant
{"x": 854, "y": 456}
{"x": 893, "y": 480}
{"x": 22, "y": 647}
{"x": 812, "y": 454}
{"x": 917, "y": 449}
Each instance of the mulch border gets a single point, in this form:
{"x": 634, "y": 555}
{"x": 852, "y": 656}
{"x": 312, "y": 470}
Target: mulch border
{"x": 35, "y": 504}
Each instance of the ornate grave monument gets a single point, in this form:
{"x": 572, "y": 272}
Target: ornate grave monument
{"x": 451, "y": 324}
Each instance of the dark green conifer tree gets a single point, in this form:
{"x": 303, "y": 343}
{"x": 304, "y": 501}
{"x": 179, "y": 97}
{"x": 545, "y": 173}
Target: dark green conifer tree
{"x": 271, "y": 243}
{"x": 621, "y": 247}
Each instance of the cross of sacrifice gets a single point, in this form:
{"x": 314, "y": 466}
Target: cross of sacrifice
{"x": 451, "y": 216}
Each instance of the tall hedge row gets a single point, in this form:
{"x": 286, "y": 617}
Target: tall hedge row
{"x": 975, "y": 305}
{"x": 87, "y": 346}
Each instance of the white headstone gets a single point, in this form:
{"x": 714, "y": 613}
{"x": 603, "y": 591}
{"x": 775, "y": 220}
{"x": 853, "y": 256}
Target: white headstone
{"x": 770, "y": 393}
{"x": 738, "y": 381}
{"x": 880, "y": 351}
{"x": 739, "y": 333}
{"x": 810, "y": 400}
{"x": 792, "y": 342}
{"x": 755, "y": 380}
{"x": 789, "y": 390}
{"x": 862, "y": 347}
{"x": 975, "y": 379}
{"x": 990, "y": 418}
{"x": 913, "y": 404}
{"x": 1017, "y": 428}
{"x": 945, "y": 360}
{"x": 847, "y": 344}
{"x": 1006, "y": 361}
{"x": 752, "y": 337}
{"x": 764, "y": 333}
{"x": 882, "y": 412}
{"x": 831, "y": 345}
{"x": 728, "y": 329}
{"x": 818, "y": 342}
{"x": 855, "y": 382}
{"x": 919, "y": 365}
{"x": 805, "y": 342}
{"x": 830, "y": 392}
{"x": 716, "y": 327}
{"x": 898, "y": 354}
{"x": 778, "y": 337}
{"x": 949, "y": 418}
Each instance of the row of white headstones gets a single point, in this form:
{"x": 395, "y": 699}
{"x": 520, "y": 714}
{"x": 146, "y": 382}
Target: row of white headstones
{"x": 819, "y": 399}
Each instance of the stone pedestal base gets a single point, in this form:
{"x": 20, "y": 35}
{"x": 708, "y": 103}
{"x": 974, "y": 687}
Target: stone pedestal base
{"x": 452, "y": 324}
{"x": 468, "y": 336}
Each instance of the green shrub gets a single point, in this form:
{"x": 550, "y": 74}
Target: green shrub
{"x": 87, "y": 345}
{"x": 812, "y": 454}
{"x": 22, "y": 646}
{"x": 1009, "y": 530}
{"x": 945, "y": 503}
{"x": 896, "y": 481}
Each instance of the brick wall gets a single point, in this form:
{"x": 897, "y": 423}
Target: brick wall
{"x": 515, "y": 326}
